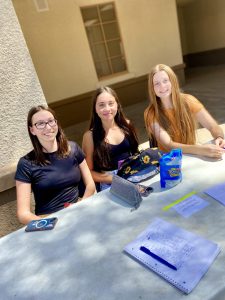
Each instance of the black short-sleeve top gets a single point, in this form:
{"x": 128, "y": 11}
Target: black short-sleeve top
{"x": 55, "y": 183}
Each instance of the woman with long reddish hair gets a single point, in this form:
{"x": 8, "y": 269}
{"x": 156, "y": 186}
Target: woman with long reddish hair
{"x": 171, "y": 117}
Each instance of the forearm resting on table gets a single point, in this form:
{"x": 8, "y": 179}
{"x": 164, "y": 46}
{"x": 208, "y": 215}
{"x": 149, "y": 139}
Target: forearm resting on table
{"x": 218, "y": 136}
{"x": 217, "y": 131}
{"x": 186, "y": 148}
{"x": 23, "y": 192}
{"x": 26, "y": 217}
{"x": 101, "y": 177}
{"x": 209, "y": 150}
{"x": 89, "y": 191}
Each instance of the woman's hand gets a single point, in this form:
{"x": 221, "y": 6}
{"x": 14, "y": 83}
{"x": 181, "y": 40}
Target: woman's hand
{"x": 219, "y": 141}
{"x": 211, "y": 150}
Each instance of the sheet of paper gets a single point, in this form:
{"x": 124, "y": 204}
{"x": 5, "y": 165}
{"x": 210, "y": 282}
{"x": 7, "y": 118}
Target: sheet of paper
{"x": 191, "y": 254}
{"x": 173, "y": 249}
{"x": 190, "y": 206}
{"x": 217, "y": 192}
{"x": 167, "y": 207}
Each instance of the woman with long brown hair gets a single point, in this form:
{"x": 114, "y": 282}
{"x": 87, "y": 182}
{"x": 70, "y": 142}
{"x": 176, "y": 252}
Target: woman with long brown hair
{"x": 52, "y": 170}
{"x": 171, "y": 117}
{"x": 110, "y": 139}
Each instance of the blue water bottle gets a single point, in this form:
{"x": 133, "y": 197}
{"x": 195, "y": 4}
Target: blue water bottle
{"x": 170, "y": 168}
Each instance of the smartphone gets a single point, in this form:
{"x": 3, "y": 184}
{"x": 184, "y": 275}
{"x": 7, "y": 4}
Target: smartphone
{"x": 43, "y": 224}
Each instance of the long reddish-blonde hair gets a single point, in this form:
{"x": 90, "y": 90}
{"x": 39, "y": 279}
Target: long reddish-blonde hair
{"x": 185, "y": 122}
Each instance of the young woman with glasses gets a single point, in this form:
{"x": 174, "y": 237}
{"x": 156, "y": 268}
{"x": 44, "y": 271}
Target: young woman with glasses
{"x": 52, "y": 170}
{"x": 171, "y": 116}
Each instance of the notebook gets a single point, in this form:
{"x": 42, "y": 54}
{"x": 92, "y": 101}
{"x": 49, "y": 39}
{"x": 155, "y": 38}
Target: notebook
{"x": 217, "y": 192}
{"x": 175, "y": 254}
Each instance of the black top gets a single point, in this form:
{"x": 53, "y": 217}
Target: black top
{"x": 117, "y": 153}
{"x": 52, "y": 184}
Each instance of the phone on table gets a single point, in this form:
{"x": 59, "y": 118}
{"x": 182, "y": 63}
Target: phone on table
{"x": 42, "y": 224}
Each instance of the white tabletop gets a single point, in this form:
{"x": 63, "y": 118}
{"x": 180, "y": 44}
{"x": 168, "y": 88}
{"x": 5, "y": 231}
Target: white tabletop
{"x": 83, "y": 258}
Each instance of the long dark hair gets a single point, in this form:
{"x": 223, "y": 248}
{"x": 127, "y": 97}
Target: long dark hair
{"x": 101, "y": 153}
{"x": 63, "y": 146}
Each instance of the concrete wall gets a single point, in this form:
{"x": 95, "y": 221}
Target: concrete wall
{"x": 59, "y": 47}
{"x": 20, "y": 89}
{"x": 202, "y": 25}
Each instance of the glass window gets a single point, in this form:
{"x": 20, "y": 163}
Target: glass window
{"x": 103, "y": 34}
{"x": 90, "y": 14}
{"x": 94, "y": 34}
{"x": 118, "y": 64}
{"x": 114, "y": 48}
{"x": 99, "y": 52}
{"x": 111, "y": 31}
{"x": 107, "y": 12}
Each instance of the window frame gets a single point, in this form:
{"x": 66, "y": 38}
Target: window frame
{"x": 108, "y": 60}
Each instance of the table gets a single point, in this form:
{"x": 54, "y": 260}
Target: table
{"x": 83, "y": 258}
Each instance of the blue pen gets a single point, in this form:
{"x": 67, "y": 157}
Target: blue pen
{"x": 158, "y": 258}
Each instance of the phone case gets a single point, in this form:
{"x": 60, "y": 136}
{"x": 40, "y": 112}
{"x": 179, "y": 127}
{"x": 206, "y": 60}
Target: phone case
{"x": 43, "y": 224}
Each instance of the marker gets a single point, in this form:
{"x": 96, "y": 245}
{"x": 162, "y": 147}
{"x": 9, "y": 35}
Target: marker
{"x": 179, "y": 200}
{"x": 158, "y": 258}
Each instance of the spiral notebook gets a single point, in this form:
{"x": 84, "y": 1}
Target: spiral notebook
{"x": 177, "y": 255}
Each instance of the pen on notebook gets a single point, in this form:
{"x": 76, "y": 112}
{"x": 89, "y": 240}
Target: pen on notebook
{"x": 158, "y": 258}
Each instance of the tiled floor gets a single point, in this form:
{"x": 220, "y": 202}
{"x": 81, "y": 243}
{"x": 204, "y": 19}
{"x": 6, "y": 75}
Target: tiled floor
{"x": 205, "y": 83}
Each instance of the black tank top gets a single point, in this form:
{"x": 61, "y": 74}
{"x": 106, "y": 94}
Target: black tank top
{"x": 118, "y": 152}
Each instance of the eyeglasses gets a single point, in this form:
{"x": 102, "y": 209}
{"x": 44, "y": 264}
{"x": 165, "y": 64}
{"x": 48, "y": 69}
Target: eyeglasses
{"x": 42, "y": 124}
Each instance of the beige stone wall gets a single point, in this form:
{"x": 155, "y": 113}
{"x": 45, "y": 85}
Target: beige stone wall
{"x": 150, "y": 33}
{"x": 59, "y": 47}
{"x": 19, "y": 88}
{"x": 202, "y": 25}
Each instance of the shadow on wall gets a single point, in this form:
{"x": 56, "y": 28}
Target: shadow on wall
{"x": 8, "y": 218}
